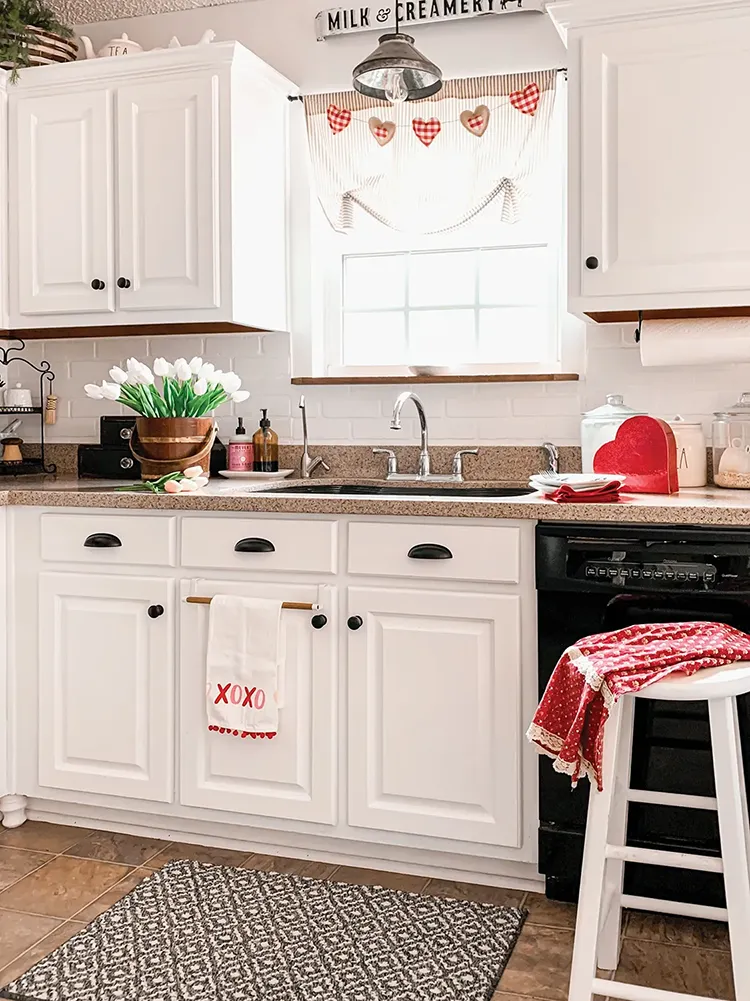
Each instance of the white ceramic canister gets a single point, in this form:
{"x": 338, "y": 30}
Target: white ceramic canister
{"x": 600, "y": 426}
{"x": 692, "y": 464}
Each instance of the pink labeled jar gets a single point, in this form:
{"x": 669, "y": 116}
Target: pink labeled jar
{"x": 240, "y": 450}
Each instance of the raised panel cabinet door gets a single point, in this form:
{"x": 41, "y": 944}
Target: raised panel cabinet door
{"x": 434, "y": 714}
{"x": 106, "y": 685}
{"x": 293, "y": 775}
{"x": 61, "y": 203}
{"x": 168, "y": 194}
{"x": 665, "y": 203}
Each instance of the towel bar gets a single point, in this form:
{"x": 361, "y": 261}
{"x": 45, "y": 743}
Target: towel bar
{"x": 304, "y": 606}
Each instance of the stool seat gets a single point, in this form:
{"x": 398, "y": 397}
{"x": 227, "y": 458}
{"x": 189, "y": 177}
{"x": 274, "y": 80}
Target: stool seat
{"x": 713, "y": 683}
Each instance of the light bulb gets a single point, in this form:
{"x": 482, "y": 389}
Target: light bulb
{"x": 395, "y": 88}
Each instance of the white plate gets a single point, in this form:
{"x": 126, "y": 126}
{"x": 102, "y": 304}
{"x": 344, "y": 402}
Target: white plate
{"x": 576, "y": 481}
{"x": 249, "y": 474}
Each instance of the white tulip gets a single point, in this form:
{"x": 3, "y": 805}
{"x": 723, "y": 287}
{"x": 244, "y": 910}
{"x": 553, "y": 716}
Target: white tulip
{"x": 118, "y": 375}
{"x": 230, "y": 383}
{"x": 110, "y": 391}
{"x": 196, "y": 364}
{"x": 173, "y": 486}
{"x": 192, "y": 472}
{"x": 187, "y": 486}
{"x": 201, "y": 481}
{"x": 132, "y": 366}
{"x": 94, "y": 392}
{"x": 182, "y": 370}
{"x": 240, "y": 396}
{"x": 145, "y": 376}
{"x": 207, "y": 370}
{"x": 215, "y": 378}
{"x": 161, "y": 367}
{"x": 200, "y": 387}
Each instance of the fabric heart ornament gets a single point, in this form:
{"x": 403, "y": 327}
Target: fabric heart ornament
{"x": 527, "y": 100}
{"x": 428, "y": 131}
{"x": 644, "y": 451}
{"x": 338, "y": 118}
{"x": 476, "y": 121}
{"x": 383, "y": 131}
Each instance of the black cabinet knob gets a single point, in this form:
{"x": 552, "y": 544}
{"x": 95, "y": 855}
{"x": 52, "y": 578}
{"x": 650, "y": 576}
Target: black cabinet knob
{"x": 592, "y": 263}
{"x": 97, "y": 285}
{"x": 155, "y": 611}
{"x": 123, "y": 283}
{"x": 355, "y": 622}
{"x": 318, "y": 621}
{"x": 102, "y": 540}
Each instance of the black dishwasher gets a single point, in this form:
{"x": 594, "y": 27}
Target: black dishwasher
{"x": 596, "y": 578}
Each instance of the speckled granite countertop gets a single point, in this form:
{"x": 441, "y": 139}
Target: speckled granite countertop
{"x": 699, "y": 506}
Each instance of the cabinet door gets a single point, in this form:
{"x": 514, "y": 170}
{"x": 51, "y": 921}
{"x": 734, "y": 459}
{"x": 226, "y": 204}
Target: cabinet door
{"x": 293, "y": 776}
{"x": 168, "y": 194}
{"x": 665, "y": 203}
{"x": 61, "y": 204}
{"x": 106, "y": 685}
{"x": 434, "y": 707}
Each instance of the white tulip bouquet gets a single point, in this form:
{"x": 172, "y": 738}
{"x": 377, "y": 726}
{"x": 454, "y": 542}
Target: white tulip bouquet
{"x": 188, "y": 388}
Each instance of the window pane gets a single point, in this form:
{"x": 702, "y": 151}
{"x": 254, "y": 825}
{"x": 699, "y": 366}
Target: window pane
{"x": 514, "y": 277}
{"x": 374, "y": 282}
{"x": 514, "y": 335}
{"x": 442, "y": 279}
{"x": 442, "y": 337}
{"x": 374, "y": 339}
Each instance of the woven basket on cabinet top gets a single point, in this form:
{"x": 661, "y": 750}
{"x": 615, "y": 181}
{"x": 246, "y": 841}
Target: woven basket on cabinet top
{"x": 49, "y": 48}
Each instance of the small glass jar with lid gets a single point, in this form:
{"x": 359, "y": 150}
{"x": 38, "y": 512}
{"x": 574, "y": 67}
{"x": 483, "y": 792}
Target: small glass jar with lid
{"x": 600, "y": 426}
{"x": 731, "y": 445}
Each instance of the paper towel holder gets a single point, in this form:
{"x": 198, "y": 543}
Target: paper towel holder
{"x": 639, "y": 327}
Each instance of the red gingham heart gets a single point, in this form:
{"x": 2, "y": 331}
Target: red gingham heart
{"x": 338, "y": 118}
{"x": 527, "y": 100}
{"x": 426, "y": 132}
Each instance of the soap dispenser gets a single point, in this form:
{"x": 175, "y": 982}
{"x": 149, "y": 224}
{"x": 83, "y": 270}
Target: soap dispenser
{"x": 265, "y": 447}
{"x": 240, "y": 451}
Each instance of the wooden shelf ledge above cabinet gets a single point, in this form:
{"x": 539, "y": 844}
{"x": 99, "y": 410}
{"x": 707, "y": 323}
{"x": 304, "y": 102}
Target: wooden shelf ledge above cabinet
{"x": 128, "y": 330}
{"x": 693, "y": 313}
{"x": 421, "y": 380}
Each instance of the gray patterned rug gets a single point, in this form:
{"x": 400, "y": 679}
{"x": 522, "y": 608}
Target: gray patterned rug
{"x": 196, "y": 932}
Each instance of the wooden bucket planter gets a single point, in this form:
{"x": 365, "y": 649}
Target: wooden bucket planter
{"x": 48, "y": 48}
{"x": 172, "y": 444}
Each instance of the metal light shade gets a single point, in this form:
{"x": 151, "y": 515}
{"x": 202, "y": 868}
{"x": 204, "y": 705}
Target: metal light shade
{"x": 396, "y": 52}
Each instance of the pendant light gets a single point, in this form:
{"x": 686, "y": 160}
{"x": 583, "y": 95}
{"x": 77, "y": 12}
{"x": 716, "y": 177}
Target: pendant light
{"x": 396, "y": 71}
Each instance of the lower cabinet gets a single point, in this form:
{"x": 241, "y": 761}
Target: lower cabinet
{"x": 106, "y": 684}
{"x": 434, "y": 681}
{"x": 292, "y": 776}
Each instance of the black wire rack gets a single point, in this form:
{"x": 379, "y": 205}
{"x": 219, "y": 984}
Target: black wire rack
{"x": 13, "y": 353}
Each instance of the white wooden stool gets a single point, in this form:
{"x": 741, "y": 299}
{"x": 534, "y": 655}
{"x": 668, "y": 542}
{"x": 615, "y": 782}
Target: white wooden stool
{"x": 597, "y": 940}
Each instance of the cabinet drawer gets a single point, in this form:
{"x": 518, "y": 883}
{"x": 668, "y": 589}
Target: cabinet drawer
{"x": 259, "y": 544}
{"x": 442, "y": 552}
{"x": 109, "y": 538}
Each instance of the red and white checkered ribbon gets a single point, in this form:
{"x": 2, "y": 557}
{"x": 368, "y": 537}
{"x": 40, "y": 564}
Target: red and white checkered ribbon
{"x": 428, "y": 131}
{"x": 527, "y": 100}
{"x": 338, "y": 118}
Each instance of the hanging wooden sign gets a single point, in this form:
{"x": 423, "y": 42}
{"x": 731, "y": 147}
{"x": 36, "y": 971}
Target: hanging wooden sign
{"x": 368, "y": 17}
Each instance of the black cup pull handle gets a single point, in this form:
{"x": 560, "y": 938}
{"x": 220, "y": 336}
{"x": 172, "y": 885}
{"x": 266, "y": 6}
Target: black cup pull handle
{"x": 254, "y": 546}
{"x": 155, "y": 611}
{"x": 319, "y": 621}
{"x": 430, "y": 551}
{"x": 355, "y": 622}
{"x": 102, "y": 540}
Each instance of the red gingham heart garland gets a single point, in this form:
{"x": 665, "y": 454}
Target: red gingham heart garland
{"x": 338, "y": 118}
{"x": 527, "y": 100}
{"x": 428, "y": 131}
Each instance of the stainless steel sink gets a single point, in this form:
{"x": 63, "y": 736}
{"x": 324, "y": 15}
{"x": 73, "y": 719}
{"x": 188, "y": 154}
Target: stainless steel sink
{"x": 405, "y": 490}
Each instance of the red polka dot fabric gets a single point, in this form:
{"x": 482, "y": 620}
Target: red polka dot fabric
{"x": 594, "y": 673}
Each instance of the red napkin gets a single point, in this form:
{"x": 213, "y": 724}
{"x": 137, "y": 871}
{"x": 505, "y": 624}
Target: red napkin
{"x": 607, "y": 493}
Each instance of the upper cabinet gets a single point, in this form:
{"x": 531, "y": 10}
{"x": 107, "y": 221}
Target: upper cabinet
{"x": 3, "y": 201}
{"x": 149, "y": 190}
{"x": 659, "y": 205}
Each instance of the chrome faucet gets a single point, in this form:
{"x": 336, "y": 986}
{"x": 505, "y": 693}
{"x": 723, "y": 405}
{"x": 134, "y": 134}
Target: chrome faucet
{"x": 423, "y": 470}
{"x": 553, "y": 457}
{"x": 307, "y": 465}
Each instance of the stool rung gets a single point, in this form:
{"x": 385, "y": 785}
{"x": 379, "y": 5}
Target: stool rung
{"x": 672, "y": 799}
{"x": 676, "y": 860}
{"x": 633, "y": 992}
{"x": 679, "y": 907}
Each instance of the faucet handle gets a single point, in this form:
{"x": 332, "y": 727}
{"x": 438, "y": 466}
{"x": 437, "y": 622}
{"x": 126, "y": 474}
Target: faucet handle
{"x": 392, "y": 459}
{"x": 458, "y": 460}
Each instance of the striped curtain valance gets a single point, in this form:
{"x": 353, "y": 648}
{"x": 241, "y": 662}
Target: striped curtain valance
{"x": 431, "y": 166}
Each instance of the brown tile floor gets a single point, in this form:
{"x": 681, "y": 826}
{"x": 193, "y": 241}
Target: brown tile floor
{"x": 54, "y": 879}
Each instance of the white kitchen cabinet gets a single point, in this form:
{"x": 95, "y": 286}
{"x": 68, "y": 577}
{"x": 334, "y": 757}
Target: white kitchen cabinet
{"x": 106, "y": 684}
{"x": 3, "y": 201}
{"x": 659, "y": 209}
{"x": 293, "y": 775}
{"x": 434, "y": 713}
{"x": 138, "y": 194}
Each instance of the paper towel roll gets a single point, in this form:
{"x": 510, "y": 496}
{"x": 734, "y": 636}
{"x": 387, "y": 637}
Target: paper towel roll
{"x": 712, "y": 341}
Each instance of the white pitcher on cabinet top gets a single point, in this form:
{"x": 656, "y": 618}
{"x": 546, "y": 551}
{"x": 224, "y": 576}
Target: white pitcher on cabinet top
{"x": 122, "y": 46}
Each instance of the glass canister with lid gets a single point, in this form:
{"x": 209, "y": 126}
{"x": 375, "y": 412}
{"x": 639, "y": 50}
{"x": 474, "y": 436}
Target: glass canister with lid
{"x": 600, "y": 426}
{"x": 731, "y": 445}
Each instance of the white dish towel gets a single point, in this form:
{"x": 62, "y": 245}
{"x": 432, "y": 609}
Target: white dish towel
{"x": 243, "y": 666}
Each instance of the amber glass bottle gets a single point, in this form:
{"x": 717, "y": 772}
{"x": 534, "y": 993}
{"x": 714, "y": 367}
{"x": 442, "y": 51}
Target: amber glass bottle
{"x": 265, "y": 447}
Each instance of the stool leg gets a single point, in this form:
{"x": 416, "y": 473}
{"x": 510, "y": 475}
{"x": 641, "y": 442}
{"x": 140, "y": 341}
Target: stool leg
{"x": 608, "y": 954}
{"x": 583, "y": 968}
{"x": 734, "y": 830}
